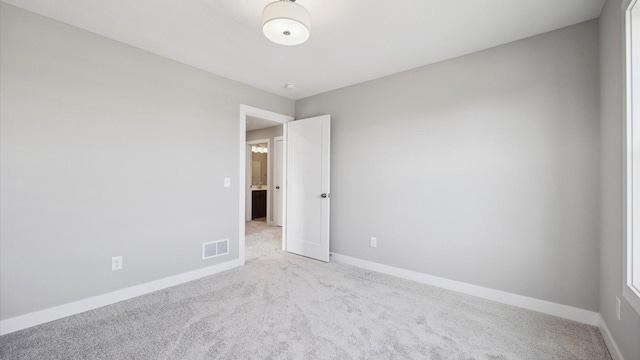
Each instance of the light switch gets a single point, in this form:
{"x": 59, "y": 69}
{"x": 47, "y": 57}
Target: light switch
{"x": 227, "y": 182}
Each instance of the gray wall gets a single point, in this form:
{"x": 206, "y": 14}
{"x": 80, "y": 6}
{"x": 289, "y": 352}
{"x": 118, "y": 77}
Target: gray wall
{"x": 267, "y": 133}
{"x": 626, "y": 331}
{"x": 109, "y": 150}
{"x": 482, "y": 169}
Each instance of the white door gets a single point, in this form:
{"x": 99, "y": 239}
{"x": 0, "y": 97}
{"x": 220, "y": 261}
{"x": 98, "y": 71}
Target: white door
{"x": 277, "y": 180}
{"x": 308, "y": 187}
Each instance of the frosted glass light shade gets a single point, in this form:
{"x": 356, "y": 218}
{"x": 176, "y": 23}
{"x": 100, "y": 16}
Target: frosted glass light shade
{"x": 286, "y": 23}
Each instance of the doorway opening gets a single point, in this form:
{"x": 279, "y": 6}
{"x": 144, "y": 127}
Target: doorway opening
{"x": 259, "y": 175}
{"x": 262, "y": 177}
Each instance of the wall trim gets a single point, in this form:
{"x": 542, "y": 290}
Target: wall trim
{"x": 543, "y": 306}
{"x": 58, "y": 312}
{"x": 608, "y": 339}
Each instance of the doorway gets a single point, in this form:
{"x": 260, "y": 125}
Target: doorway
{"x": 253, "y": 120}
{"x": 259, "y": 176}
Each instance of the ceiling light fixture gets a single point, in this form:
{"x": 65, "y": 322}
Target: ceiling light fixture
{"x": 286, "y": 23}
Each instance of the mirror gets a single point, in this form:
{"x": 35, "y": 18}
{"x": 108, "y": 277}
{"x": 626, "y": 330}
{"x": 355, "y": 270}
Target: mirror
{"x": 259, "y": 164}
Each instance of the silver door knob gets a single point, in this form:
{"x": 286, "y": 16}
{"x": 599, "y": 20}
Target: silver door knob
{"x": 324, "y": 196}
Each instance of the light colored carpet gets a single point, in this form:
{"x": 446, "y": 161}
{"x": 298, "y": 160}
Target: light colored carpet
{"x": 282, "y": 306}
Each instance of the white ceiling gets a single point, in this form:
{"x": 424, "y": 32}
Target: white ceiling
{"x": 351, "y": 40}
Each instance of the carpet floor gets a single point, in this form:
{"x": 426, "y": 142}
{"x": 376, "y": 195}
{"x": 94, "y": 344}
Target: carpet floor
{"x": 283, "y": 306}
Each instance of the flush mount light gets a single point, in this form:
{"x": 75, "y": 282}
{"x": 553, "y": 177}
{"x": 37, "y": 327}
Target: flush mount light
{"x": 286, "y": 23}
{"x": 290, "y": 86}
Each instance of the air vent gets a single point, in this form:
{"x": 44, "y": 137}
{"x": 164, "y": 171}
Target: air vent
{"x": 215, "y": 248}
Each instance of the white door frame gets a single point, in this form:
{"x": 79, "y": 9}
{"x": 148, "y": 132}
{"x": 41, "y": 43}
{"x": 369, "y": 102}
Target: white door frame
{"x": 267, "y": 115}
{"x": 249, "y": 178}
{"x": 278, "y": 155}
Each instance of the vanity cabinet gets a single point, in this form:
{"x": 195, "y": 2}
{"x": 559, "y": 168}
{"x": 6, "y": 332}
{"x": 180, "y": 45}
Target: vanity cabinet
{"x": 258, "y": 204}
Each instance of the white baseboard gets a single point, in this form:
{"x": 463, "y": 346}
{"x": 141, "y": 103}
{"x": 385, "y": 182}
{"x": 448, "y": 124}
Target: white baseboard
{"x": 543, "y": 306}
{"x": 42, "y": 316}
{"x": 608, "y": 339}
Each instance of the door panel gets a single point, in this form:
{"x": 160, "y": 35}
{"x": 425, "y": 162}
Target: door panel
{"x": 308, "y": 152}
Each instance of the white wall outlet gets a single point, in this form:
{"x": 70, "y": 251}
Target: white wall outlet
{"x": 373, "y": 242}
{"x": 116, "y": 263}
{"x": 227, "y": 182}
{"x": 618, "y": 307}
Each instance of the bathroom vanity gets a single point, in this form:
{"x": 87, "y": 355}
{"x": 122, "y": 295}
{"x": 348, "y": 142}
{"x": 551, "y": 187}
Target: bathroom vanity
{"x": 258, "y": 203}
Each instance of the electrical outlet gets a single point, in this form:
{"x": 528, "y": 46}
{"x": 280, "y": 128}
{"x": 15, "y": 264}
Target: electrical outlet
{"x": 116, "y": 263}
{"x": 373, "y": 242}
{"x": 618, "y": 307}
{"x": 227, "y": 182}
